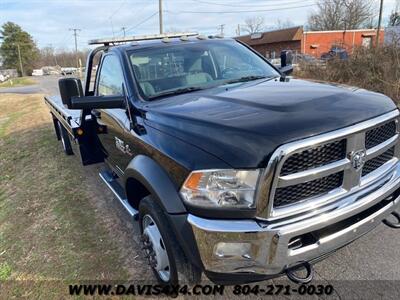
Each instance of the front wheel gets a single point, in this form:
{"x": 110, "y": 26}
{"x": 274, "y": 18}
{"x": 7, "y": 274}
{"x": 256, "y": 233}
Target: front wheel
{"x": 165, "y": 256}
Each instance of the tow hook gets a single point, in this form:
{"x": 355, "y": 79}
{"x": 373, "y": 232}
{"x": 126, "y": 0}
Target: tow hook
{"x": 291, "y": 273}
{"x": 389, "y": 223}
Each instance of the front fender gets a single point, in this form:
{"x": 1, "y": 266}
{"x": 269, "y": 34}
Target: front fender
{"x": 157, "y": 182}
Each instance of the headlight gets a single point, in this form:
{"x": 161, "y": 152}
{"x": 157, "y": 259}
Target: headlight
{"x": 221, "y": 188}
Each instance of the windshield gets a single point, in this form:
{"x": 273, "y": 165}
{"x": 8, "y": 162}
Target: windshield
{"x": 185, "y": 67}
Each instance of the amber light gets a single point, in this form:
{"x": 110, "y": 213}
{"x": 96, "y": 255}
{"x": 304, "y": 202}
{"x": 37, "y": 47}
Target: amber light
{"x": 79, "y": 131}
{"x": 193, "y": 181}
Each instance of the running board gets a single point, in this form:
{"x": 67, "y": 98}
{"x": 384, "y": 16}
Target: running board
{"x": 119, "y": 192}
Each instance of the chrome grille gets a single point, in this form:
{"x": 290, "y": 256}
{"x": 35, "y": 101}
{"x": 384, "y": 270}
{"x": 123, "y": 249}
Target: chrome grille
{"x": 314, "y": 172}
{"x": 377, "y": 162}
{"x": 315, "y": 157}
{"x": 298, "y": 192}
{"x": 379, "y": 134}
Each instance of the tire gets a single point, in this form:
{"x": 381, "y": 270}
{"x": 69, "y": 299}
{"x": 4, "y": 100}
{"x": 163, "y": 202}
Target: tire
{"x": 65, "y": 141}
{"x": 180, "y": 269}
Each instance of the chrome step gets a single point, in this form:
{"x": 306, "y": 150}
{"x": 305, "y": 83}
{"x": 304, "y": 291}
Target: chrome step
{"x": 119, "y": 192}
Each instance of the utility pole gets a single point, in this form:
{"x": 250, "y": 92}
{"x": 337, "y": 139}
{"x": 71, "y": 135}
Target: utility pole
{"x": 160, "y": 15}
{"x": 379, "y": 24}
{"x": 52, "y": 54}
{"x": 238, "y": 30}
{"x": 20, "y": 60}
{"x": 123, "y": 29}
{"x": 221, "y": 29}
{"x": 75, "y": 30}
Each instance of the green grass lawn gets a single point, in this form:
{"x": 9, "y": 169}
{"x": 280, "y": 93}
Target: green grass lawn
{"x": 49, "y": 231}
{"x": 15, "y": 82}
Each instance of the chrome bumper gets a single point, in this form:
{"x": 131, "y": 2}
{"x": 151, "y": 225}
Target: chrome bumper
{"x": 268, "y": 248}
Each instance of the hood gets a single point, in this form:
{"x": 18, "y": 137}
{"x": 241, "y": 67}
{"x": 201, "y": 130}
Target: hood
{"x": 243, "y": 124}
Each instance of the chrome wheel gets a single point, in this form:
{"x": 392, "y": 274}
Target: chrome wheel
{"x": 155, "y": 248}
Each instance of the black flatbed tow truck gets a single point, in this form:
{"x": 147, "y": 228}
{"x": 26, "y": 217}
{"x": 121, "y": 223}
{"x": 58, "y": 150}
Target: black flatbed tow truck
{"x": 231, "y": 167}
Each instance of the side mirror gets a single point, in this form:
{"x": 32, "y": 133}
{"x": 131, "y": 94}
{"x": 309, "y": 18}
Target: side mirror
{"x": 69, "y": 88}
{"x": 286, "y": 70}
{"x": 93, "y": 102}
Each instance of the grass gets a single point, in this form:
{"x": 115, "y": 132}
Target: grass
{"x": 16, "y": 82}
{"x": 48, "y": 228}
{"x": 5, "y": 271}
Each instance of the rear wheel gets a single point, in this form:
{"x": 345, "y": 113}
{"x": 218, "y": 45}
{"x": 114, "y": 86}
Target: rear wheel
{"x": 165, "y": 256}
{"x": 66, "y": 143}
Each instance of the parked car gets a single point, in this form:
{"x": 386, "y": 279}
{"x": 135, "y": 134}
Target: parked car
{"x": 230, "y": 167}
{"x": 305, "y": 58}
{"x": 37, "y": 72}
{"x": 335, "y": 53}
{"x": 68, "y": 71}
{"x": 4, "y": 77}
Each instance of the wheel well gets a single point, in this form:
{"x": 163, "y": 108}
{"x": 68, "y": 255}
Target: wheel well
{"x": 135, "y": 191}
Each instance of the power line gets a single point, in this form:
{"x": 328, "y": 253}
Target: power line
{"x": 142, "y": 22}
{"x": 143, "y": 8}
{"x": 239, "y": 11}
{"x": 247, "y": 5}
{"x": 119, "y": 7}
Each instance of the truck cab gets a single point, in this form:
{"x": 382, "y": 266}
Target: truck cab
{"x": 230, "y": 166}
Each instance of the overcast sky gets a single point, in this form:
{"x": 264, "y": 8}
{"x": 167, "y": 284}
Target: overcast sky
{"x": 48, "y": 21}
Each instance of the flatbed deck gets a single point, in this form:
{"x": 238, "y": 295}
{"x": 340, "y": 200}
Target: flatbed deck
{"x": 82, "y": 133}
{"x": 71, "y": 119}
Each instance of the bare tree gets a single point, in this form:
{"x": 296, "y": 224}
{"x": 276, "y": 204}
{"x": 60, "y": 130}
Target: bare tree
{"x": 341, "y": 14}
{"x": 357, "y": 13}
{"x": 63, "y": 57}
{"x": 254, "y": 25}
{"x": 279, "y": 24}
{"x": 394, "y": 19}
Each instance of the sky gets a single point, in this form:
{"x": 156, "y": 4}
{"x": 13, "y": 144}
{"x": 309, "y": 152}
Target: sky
{"x": 49, "y": 21}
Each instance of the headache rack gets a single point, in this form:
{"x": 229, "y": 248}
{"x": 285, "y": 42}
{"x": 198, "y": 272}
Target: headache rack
{"x": 118, "y": 40}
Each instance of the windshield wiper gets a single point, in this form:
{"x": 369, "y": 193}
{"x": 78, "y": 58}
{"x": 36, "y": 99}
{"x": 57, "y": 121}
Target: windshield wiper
{"x": 245, "y": 79}
{"x": 177, "y": 92}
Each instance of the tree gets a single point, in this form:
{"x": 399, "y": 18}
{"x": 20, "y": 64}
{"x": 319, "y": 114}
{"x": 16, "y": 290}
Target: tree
{"x": 13, "y": 38}
{"x": 254, "y": 25}
{"x": 394, "y": 19}
{"x": 279, "y": 24}
{"x": 341, "y": 15}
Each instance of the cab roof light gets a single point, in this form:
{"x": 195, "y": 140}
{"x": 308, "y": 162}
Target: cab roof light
{"x": 117, "y": 40}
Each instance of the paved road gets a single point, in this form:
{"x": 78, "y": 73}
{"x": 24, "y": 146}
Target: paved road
{"x": 30, "y": 89}
{"x": 45, "y": 84}
{"x": 375, "y": 256}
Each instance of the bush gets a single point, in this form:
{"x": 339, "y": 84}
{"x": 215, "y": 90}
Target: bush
{"x": 372, "y": 69}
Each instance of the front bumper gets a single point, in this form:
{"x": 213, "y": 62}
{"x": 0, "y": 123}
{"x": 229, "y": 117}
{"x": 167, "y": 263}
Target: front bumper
{"x": 267, "y": 249}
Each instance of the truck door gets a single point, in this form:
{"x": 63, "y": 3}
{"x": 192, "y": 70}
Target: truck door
{"x": 109, "y": 82}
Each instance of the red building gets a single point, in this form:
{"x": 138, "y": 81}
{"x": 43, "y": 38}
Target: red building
{"x": 314, "y": 43}
{"x": 271, "y": 43}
